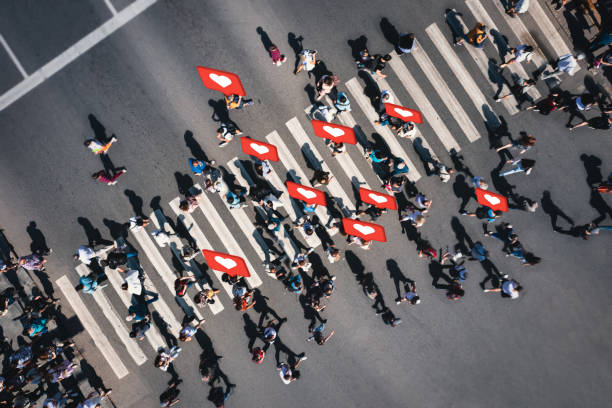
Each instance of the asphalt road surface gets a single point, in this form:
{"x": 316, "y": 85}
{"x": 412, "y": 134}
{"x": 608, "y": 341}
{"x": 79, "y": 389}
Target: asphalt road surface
{"x": 550, "y": 347}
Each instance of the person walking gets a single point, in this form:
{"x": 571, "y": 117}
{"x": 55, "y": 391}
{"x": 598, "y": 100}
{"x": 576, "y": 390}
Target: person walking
{"x": 226, "y": 133}
{"x": 484, "y": 213}
{"x": 603, "y": 122}
{"x": 520, "y": 165}
{"x": 286, "y": 371}
{"x": 410, "y": 295}
{"x": 236, "y": 200}
{"x": 520, "y": 91}
{"x": 476, "y": 36}
{"x": 321, "y": 178}
{"x": 188, "y": 331}
{"x": 524, "y": 144}
{"x": 522, "y": 52}
{"x": 578, "y": 106}
{"x": 326, "y": 84}
{"x": 342, "y": 103}
{"x": 32, "y": 262}
{"x": 509, "y": 288}
{"x": 406, "y": 44}
{"x": 236, "y": 102}
{"x": 275, "y": 54}
{"x": 97, "y": 147}
{"x": 519, "y": 7}
{"x": 108, "y": 178}
{"x": 380, "y": 62}
{"x": 166, "y": 357}
{"x": 200, "y": 167}
{"x": 318, "y": 336}
{"x": 307, "y": 61}
{"x": 547, "y": 105}
{"x": 566, "y": 63}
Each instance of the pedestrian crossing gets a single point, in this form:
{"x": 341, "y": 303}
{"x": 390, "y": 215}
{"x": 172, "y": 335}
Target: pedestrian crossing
{"x": 241, "y": 232}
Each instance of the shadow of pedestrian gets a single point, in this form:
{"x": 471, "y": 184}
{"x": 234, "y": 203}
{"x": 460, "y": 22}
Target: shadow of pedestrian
{"x": 455, "y": 26}
{"x": 220, "y": 112}
{"x": 458, "y": 163}
{"x": 501, "y": 42}
{"x": 117, "y": 230}
{"x": 163, "y": 327}
{"x": 554, "y": 212}
{"x": 184, "y": 183}
{"x": 389, "y": 31}
{"x": 98, "y": 129}
{"x": 357, "y": 46}
{"x": 251, "y": 330}
{"x": 600, "y": 205}
{"x": 93, "y": 234}
{"x": 265, "y": 39}
{"x": 39, "y": 242}
{"x": 296, "y": 45}
{"x": 463, "y": 191}
{"x": 464, "y": 242}
{"x": 135, "y": 201}
{"x": 592, "y": 165}
{"x": 262, "y": 307}
{"x": 396, "y": 275}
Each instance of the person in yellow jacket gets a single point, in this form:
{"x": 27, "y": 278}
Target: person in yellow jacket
{"x": 476, "y": 36}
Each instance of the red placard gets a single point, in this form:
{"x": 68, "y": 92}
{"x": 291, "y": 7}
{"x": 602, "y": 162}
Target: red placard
{"x": 492, "y": 200}
{"x": 405, "y": 114}
{"x": 221, "y": 81}
{"x": 261, "y": 150}
{"x": 308, "y": 194}
{"x": 230, "y": 264}
{"x": 364, "y": 230}
{"x": 336, "y": 133}
{"x": 380, "y": 200}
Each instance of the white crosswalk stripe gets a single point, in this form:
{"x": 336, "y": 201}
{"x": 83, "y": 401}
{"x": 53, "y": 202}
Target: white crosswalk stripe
{"x": 467, "y": 82}
{"x": 91, "y": 326}
{"x": 163, "y": 270}
{"x": 291, "y": 164}
{"x": 346, "y": 118}
{"x": 548, "y": 30}
{"x": 429, "y": 113}
{"x": 345, "y": 161}
{"x": 481, "y": 15}
{"x": 244, "y": 179}
{"x": 519, "y": 29}
{"x": 482, "y": 63}
{"x": 175, "y": 245}
{"x": 153, "y": 336}
{"x": 397, "y": 150}
{"x": 316, "y": 160}
{"x": 118, "y": 323}
{"x": 446, "y": 95}
{"x": 228, "y": 239}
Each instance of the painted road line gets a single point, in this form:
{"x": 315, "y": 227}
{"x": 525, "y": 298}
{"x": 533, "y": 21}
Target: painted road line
{"x": 344, "y": 160}
{"x": 521, "y": 32}
{"x": 168, "y": 275}
{"x": 153, "y": 336}
{"x": 118, "y": 323}
{"x": 482, "y": 62}
{"x": 164, "y": 271}
{"x": 243, "y": 179}
{"x": 312, "y": 240}
{"x": 468, "y": 83}
{"x": 228, "y": 239}
{"x": 414, "y": 90}
{"x": 517, "y": 68}
{"x": 453, "y": 105}
{"x": 548, "y": 30}
{"x": 419, "y": 143}
{"x": 316, "y": 160}
{"x": 294, "y": 168}
{"x": 176, "y": 245}
{"x": 111, "y": 7}
{"x": 91, "y": 326}
{"x": 13, "y": 57}
{"x": 72, "y": 53}
{"x": 390, "y": 138}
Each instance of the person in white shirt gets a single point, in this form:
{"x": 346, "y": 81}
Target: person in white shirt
{"x": 87, "y": 253}
{"x": 286, "y": 373}
{"x": 133, "y": 282}
{"x": 521, "y": 53}
{"x": 509, "y": 288}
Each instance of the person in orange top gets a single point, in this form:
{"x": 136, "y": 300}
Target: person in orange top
{"x": 475, "y": 36}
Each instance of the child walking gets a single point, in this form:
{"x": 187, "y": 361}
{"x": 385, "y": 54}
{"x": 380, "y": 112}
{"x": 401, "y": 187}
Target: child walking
{"x": 275, "y": 54}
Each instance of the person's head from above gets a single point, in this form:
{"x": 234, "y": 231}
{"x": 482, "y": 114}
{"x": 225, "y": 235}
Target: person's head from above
{"x": 415, "y": 300}
{"x": 529, "y": 82}
{"x": 124, "y": 286}
{"x": 587, "y": 99}
{"x": 309, "y": 230}
{"x": 385, "y": 58}
{"x": 328, "y": 80}
{"x": 196, "y": 162}
{"x": 272, "y": 48}
{"x": 271, "y": 225}
{"x": 88, "y": 142}
{"x": 513, "y": 238}
{"x": 419, "y": 220}
{"x": 342, "y": 99}
{"x": 529, "y": 48}
{"x": 481, "y": 26}
{"x": 497, "y": 213}
{"x": 406, "y": 41}
{"x": 365, "y": 52}
{"x": 158, "y": 361}
{"x": 528, "y": 140}
{"x": 184, "y": 205}
{"x": 481, "y": 184}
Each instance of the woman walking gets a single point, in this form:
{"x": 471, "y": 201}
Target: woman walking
{"x": 520, "y": 165}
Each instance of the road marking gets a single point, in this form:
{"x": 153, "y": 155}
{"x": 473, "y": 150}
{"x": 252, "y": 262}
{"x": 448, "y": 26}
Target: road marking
{"x": 13, "y": 57}
{"x": 228, "y": 239}
{"x": 548, "y": 30}
{"x": 175, "y": 244}
{"x": 315, "y": 158}
{"x": 111, "y": 7}
{"x": 482, "y": 63}
{"x": 90, "y": 324}
{"x": 468, "y": 83}
{"x": 390, "y": 138}
{"x": 421, "y": 100}
{"x": 243, "y": 179}
{"x": 116, "y": 322}
{"x": 153, "y": 336}
{"x": 521, "y": 32}
{"x": 312, "y": 240}
{"x": 345, "y": 161}
{"x": 165, "y": 272}
{"x": 449, "y": 99}
{"x": 295, "y": 170}
{"x": 481, "y": 14}
{"x": 72, "y": 53}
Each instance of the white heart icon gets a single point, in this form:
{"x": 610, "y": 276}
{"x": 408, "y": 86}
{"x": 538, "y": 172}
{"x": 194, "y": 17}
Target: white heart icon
{"x": 259, "y": 148}
{"x": 226, "y": 262}
{"x": 364, "y": 229}
{"x": 405, "y": 113}
{"x": 306, "y": 193}
{"x": 335, "y": 132}
{"x": 222, "y": 80}
{"x": 492, "y": 199}
{"x": 378, "y": 198}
